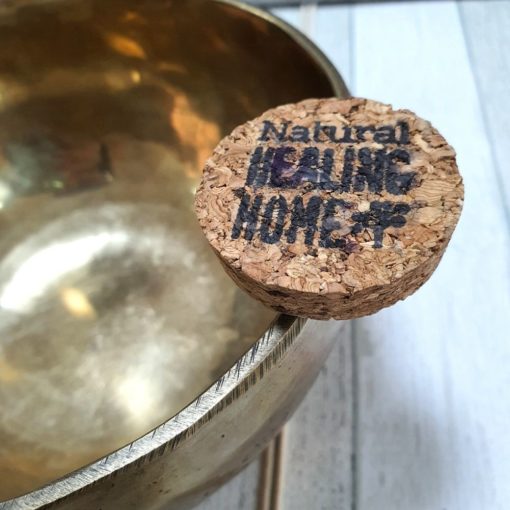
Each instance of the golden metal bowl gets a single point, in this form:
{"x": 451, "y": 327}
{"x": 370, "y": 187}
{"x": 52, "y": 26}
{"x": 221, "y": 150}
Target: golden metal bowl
{"x": 114, "y": 314}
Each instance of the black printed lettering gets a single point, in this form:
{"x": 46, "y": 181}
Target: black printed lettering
{"x": 247, "y": 216}
{"x": 269, "y": 131}
{"x": 260, "y": 167}
{"x": 330, "y": 224}
{"x": 304, "y": 217}
{"x": 271, "y": 230}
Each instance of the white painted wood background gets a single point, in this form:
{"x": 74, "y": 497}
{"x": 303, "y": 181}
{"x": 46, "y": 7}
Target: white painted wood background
{"x": 413, "y": 411}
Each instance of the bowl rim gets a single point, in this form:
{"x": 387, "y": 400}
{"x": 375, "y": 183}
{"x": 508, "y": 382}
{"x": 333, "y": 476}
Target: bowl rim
{"x": 281, "y": 333}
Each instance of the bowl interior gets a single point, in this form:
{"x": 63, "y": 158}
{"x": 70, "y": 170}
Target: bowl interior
{"x": 113, "y": 312}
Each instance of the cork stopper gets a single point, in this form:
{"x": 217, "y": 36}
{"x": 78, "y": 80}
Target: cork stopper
{"x": 331, "y": 208}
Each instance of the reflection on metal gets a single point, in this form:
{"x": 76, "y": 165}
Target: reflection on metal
{"x": 33, "y": 276}
{"x": 125, "y": 46}
{"x": 193, "y": 132}
{"x": 5, "y": 194}
{"x": 77, "y": 303}
{"x": 113, "y": 312}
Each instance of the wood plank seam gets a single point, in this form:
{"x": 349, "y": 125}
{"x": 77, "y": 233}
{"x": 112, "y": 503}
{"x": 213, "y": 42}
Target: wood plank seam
{"x": 270, "y": 477}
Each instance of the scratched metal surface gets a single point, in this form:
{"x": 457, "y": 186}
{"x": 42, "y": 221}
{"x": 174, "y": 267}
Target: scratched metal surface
{"x": 412, "y": 411}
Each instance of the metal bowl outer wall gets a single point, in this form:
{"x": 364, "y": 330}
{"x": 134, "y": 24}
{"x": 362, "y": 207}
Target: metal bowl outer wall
{"x": 218, "y": 434}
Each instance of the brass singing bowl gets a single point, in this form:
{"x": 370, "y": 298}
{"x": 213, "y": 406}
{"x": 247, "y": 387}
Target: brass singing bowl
{"x": 114, "y": 314}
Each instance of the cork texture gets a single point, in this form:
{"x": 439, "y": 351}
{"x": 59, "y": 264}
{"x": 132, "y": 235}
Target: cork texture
{"x": 331, "y": 208}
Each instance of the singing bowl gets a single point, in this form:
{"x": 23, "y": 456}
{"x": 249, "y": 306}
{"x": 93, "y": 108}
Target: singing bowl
{"x": 133, "y": 373}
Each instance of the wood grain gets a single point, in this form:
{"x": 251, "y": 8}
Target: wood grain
{"x": 433, "y": 376}
{"x": 318, "y": 440}
{"x": 486, "y": 30}
{"x": 241, "y": 493}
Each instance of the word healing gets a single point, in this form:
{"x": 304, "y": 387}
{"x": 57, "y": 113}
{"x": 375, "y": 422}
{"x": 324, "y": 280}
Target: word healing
{"x": 376, "y": 170}
{"x": 363, "y": 169}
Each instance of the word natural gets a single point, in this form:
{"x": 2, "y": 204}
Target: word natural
{"x": 398, "y": 134}
{"x": 375, "y": 170}
{"x": 269, "y": 219}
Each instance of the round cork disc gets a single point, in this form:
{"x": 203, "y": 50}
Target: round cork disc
{"x": 331, "y": 208}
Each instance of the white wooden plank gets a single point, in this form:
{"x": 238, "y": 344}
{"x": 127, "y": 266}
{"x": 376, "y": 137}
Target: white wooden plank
{"x": 486, "y": 29}
{"x": 318, "y": 440}
{"x": 317, "y": 447}
{"x": 307, "y": 14}
{"x": 433, "y": 378}
{"x": 289, "y": 14}
{"x": 330, "y": 29}
{"x": 240, "y": 493}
